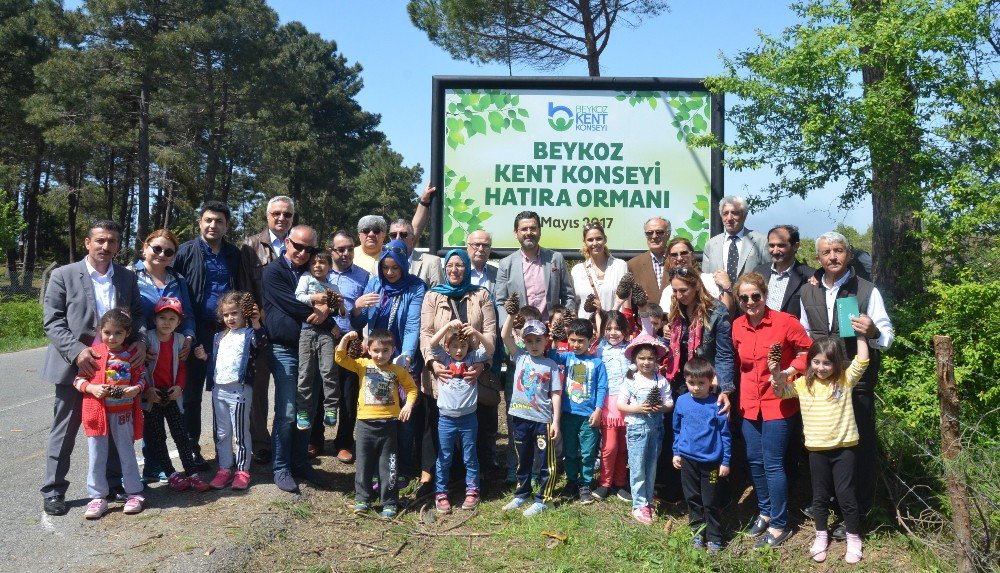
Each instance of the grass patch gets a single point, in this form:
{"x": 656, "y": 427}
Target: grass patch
{"x": 19, "y": 343}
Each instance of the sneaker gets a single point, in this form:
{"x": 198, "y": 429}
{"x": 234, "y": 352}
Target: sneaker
{"x": 178, "y": 482}
{"x": 198, "y": 484}
{"x": 388, "y": 512}
{"x": 641, "y": 514}
{"x": 441, "y": 504}
{"x": 713, "y": 548}
{"x": 471, "y": 500}
{"x": 361, "y": 507}
{"x": 303, "y": 420}
{"x": 96, "y": 508}
{"x": 571, "y": 491}
{"x": 515, "y": 503}
{"x": 535, "y": 509}
{"x": 330, "y": 418}
{"x": 154, "y": 477}
{"x": 624, "y": 494}
{"x": 221, "y": 479}
{"x": 697, "y": 543}
{"x": 283, "y": 479}
{"x": 241, "y": 480}
{"x": 586, "y": 498}
{"x": 601, "y": 493}
{"x": 134, "y": 504}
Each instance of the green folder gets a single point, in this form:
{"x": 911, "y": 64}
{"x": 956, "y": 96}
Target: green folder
{"x": 847, "y": 308}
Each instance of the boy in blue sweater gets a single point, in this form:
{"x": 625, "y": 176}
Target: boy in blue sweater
{"x": 586, "y": 390}
{"x": 702, "y": 452}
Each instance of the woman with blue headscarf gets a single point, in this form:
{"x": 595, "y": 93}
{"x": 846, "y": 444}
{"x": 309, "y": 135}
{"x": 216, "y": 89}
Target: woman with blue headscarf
{"x": 456, "y": 298}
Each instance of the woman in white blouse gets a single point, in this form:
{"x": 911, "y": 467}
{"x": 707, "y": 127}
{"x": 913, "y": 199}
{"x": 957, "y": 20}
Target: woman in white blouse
{"x": 599, "y": 273}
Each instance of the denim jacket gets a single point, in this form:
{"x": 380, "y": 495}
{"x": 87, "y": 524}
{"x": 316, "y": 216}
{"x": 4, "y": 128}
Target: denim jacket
{"x": 176, "y": 287}
{"x": 406, "y": 328}
{"x": 717, "y": 347}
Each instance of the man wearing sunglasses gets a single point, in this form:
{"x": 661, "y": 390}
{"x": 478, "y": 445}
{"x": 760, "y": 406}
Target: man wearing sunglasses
{"x": 257, "y": 251}
{"x": 650, "y": 268}
{"x": 211, "y": 266}
{"x": 371, "y": 237}
{"x": 283, "y": 318}
{"x": 736, "y": 250}
{"x": 424, "y": 265}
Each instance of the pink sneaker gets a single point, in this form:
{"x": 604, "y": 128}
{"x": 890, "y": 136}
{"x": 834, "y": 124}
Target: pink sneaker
{"x": 178, "y": 481}
{"x": 221, "y": 479}
{"x": 241, "y": 480}
{"x": 96, "y": 508}
{"x": 641, "y": 514}
{"x": 198, "y": 484}
{"x": 134, "y": 504}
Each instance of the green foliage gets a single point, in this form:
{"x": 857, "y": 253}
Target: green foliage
{"x": 461, "y": 215}
{"x": 11, "y": 224}
{"x": 21, "y": 318}
{"x": 696, "y": 228}
{"x": 691, "y": 113}
{"x": 482, "y": 111}
{"x": 383, "y": 186}
{"x": 858, "y": 240}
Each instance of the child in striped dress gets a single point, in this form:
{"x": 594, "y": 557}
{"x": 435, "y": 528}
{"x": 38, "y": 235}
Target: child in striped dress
{"x": 831, "y": 434}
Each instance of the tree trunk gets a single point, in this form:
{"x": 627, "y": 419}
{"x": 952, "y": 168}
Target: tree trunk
{"x": 590, "y": 40}
{"x": 144, "y": 96}
{"x": 109, "y": 185}
{"x": 125, "y": 207}
{"x": 73, "y": 201}
{"x": 31, "y": 211}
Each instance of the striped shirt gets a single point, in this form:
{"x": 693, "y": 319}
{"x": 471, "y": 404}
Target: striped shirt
{"x": 828, "y": 417}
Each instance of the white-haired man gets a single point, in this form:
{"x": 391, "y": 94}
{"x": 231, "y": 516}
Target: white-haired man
{"x": 371, "y": 237}
{"x": 736, "y": 250}
{"x": 650, "y": 269}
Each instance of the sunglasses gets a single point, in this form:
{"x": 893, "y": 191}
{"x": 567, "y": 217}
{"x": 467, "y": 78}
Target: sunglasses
{"x": 281, "y": 215}
{"x": 158, "y": 250}
{"x": 367, "y": 230}
{"x": 396, "y": 250}
{"x": 342, "y": 250}
{"x": 746, "y": 298}
{"x": 399, "y": 234}
{"x": 655, "y": 233}
{"x": 681, "y": 272}
{"x": 300, "y": 247}
{"x": 680, "y": 254}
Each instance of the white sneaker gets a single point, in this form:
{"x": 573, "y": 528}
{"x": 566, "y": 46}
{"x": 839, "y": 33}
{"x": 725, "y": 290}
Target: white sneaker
{"x": 134, "y": 504}
{"x": 515, "y": 503}
{"x": 535, "y": 509}
{"x": 96, "y": 508}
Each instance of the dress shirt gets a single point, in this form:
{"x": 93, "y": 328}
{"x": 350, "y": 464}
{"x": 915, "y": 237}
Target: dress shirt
{"x": 277, "y": 245}
{"x": 104, "y": 288}
{"x": 876, "y": 311}
{"x": 534, "y": 282}
{"x": 352, "y": 285}
{"x": 480, "y": 279}
{"x": 740, "y": 243}
{"x": 776, "y": 287}
{"x": 217, "y": 278}
{"x": 659, "y": 263}
{"x": 365, "y": 262}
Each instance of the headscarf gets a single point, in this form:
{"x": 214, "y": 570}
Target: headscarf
{"x": 457, "y": 291}
{"x": 397, "y": 251}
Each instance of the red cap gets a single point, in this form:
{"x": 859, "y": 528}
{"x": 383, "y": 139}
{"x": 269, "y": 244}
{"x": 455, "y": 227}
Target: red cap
{"x": 169, "y": 303}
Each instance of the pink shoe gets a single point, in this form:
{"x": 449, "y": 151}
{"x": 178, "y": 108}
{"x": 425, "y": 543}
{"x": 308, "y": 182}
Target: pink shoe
{"x": 198, "y": 484}
{"x": 641, "y": 514}
{"x": 134, "y": 504}
{"x": 178, "y": 481}
{"x": 853, "y": 554}
{"x": 221, "y": 479}
{"x": 96, "y": 508}
{"x": 241, "y": 480}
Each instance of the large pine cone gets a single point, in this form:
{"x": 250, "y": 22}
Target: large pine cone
{"x": 639, "y": 298}
{"x": 625, "y": 286}
{"x": 559, "y": 330}
{"x": 116, "y": 392}
{"x": 460, "y": 337}
{"x": 518, "y": 321}
{"x": 355, "y": 349}
{"x": 588, "y": 305}
{"x": 333, "y": 301}
{"x": 512, "y": 304}
{"x": 654, "y": 399}
{"x": 247, "y": 304}
{"x": 774, "y": 354}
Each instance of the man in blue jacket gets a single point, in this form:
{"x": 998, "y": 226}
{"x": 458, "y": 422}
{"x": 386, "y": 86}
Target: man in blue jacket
{"x": 283, "y": 318}
{"x": 211, "y": 266}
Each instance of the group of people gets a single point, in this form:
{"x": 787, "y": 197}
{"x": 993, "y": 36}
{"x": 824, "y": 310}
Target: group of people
{"x": 409, "y": 355}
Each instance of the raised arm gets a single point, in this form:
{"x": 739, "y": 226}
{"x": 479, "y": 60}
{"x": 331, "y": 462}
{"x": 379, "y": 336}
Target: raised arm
{"x": 422, "y": 214}
{"x": 507, "y": 335}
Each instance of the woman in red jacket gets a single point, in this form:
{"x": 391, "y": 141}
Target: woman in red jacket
{"x": 767, "y": 420}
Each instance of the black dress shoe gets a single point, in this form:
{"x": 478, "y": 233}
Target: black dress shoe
{"x": 771, "y": 541}
{"x": 200, "y": 464}
{"x": 55, "y": 505}
{"x": 839, "y": 533}
{"x": 759, "y": 526}
{"x": 117, "y": 495}
{"x": 262, "y": 457}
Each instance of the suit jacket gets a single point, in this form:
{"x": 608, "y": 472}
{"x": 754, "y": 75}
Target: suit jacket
{"x": 798, "y": 274}
{"x": 754, "y": 253}
{"x": 641, "y": 267}
{"x": 255, "y": 254}
{"x": 558, "y": 284}
{"x": 428, "y": 267}
{"x": 70, "y": 316}
{"x": 491, "y": 277}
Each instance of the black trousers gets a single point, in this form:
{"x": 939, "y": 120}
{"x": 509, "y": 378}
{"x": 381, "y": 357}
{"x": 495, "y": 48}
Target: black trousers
{"x": 833, "y": 472}
{"x": 866, "y": 452}
{"x": 700, "y": 482}
{"x": 194, "y": 388}
{"x": 486, "y": 440}
{"x": 156, "y": 436}
{"x": 376, "y": 449}
{"x": 428, "y": 443}
{"x": 348, "y": 415}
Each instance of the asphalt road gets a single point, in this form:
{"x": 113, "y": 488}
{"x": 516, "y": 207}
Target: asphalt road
{"x": 29, "y": 539}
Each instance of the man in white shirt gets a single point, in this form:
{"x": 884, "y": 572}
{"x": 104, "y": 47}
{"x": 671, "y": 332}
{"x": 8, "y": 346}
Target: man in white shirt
{"x": 736, "y": 250}
{"x": 479, "y": 245}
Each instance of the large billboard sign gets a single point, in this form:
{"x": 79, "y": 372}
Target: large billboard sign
{"x": 574, "y": 150}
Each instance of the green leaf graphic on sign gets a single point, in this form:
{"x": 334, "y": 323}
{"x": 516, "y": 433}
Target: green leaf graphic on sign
{"x": 461, "y": 214}
{"x": 475, "y": 112}
{"x": 697, "y": 226}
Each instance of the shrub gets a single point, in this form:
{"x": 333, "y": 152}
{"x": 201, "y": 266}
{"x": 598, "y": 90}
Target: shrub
{"x": 21, "y": 318}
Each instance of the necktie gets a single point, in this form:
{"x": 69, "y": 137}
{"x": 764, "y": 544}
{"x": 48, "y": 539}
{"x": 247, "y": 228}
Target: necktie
{"x": 733, "y": 260}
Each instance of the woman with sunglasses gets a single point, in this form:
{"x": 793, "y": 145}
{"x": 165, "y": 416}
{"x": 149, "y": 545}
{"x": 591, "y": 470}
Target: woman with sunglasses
{"x": 696, "y": 326}
{"x": 680, "y": 253}
{"x": 600, "y": 272}
{"x": 768, "y": 422}
{"x": 156, "y": 280}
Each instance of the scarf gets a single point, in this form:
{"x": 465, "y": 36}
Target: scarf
{"x": 459, "y": 290}
{"x": 694, "y": 340}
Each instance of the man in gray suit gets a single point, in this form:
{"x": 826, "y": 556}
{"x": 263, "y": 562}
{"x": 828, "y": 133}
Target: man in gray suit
{"x": 77, "y": 295}
{"x": 479, "y": 245}
{"x": 538, "y": 276}
{"x": 424, "y": 265}
{"x": 737, "y": 250}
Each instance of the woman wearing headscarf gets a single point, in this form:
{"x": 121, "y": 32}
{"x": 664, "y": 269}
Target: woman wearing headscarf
{"x": 392, "y": 300}
{"x": 456, "y": 298}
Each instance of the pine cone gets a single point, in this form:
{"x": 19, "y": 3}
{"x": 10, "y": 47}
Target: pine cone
{"x": 512, "y": 305}
{"x": 116, "y": 392}
{"x": 247, "y": 304}
{"x": 654, "y": 399}
{"x": 163, "y": 393}
{"x": 626, "y": 285}
{"x": 518, "y": 321}
{"x": 639, "y": 298}
{"x": 355, "y": 349}
{"x": 774, "y": 354}
{"x": 333, "y": 301}
{"x": 559, "y": 330}
{"x": 460, "y": 337}
{"x": 588, "y": 305}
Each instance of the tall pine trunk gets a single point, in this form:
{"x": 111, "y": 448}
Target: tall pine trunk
{"x": 143, "y": 201}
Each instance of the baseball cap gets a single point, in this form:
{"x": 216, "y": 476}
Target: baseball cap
{"x": 534, "y": 327}
{"x": 169, "y": 303}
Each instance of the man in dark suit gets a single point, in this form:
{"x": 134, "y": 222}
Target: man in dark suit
{"x": 539, "y": 276}
{"x": 479, "y": 245}
{"x": 650, "y": 269}
{"x": 256, "y": 252}
{"x": 77, "y": 295}
{"x": 785, "y": 275}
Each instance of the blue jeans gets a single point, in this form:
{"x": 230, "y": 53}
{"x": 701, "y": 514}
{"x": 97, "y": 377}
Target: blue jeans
{"x": 644, "y": 442}
{"x": 290, "y": 444}
{"x": 465, "y": 428}
{"x": 766, "y": 444}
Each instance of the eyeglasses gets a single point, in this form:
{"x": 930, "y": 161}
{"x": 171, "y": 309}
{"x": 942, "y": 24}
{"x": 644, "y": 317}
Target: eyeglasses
{"x": 455, "y": 267}
{"x": 158, "y": 250}
{"x": 679, "y": 255}
{"x": 681, "y": 272}
{"x": 475, "y": 246}
{"x": 282, "y": 214}
{"x": 655, "y": 232}
{"x": 398, "y": 234}
{"x": 342, "y": 250}
{"x": 367, "y": 230}
{"x": 396, "y": 250}
{"x": 746, "y": 298}
{"x": 300, "y": 247}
